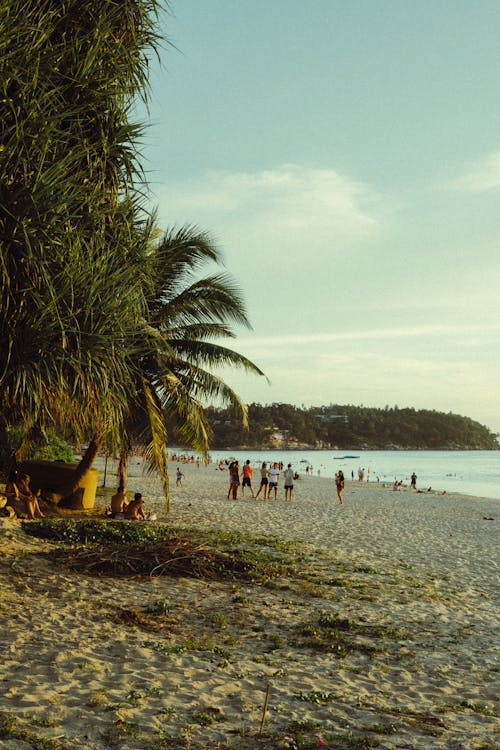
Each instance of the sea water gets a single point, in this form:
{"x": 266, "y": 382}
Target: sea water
{"x": 467, "y": 472}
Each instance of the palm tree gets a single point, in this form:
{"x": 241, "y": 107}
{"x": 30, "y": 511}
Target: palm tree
{"x": 186, "y": 315}
{"x": 70, "y": 211}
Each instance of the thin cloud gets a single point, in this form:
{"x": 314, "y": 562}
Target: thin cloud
{"x": 482, "y": 177}
{"x": 369, "y": 334}
{"x": 295, "y": 203}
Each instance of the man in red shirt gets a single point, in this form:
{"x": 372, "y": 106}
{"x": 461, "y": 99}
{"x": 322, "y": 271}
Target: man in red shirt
{"x": 247, "y": 478}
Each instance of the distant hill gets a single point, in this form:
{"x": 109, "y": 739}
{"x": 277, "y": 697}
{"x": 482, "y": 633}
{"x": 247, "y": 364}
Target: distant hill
{"x": 346, "y": 427}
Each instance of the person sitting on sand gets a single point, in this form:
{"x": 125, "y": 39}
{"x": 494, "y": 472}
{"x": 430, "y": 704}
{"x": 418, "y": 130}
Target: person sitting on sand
{"x": 21, "y": 498}
{"x": 119, "y": 502}
{"x": 135, "y": 509}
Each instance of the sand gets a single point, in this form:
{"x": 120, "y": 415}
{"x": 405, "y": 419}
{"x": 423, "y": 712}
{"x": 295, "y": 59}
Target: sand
{"x": 414, "y": 575}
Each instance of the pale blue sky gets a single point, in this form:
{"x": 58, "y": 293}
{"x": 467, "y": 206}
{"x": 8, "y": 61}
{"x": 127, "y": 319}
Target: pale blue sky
{"x": 346, "y": 156}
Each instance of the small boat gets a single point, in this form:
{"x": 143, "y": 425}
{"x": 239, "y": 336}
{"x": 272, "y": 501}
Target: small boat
{"x": 341, "y": 458}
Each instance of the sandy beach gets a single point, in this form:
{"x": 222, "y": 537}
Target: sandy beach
{"x": 412, "y": 577}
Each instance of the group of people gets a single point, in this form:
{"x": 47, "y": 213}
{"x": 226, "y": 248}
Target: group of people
{"x": 25, "y": 503}
{"x": 400, "y": 485}
{"x": 269, "y": 480}
{"x": 19, "y": 496}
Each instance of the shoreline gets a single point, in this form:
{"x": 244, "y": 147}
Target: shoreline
{"x": 473, "y": 473}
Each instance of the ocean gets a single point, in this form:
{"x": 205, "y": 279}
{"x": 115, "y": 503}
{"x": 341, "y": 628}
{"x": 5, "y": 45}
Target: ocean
{"x": 467, "y": 472}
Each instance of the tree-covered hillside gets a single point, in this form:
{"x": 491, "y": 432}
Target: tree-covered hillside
{"x": 334, "y": 426}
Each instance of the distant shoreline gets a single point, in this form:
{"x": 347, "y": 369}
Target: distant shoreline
{"x": 295, "y": 449}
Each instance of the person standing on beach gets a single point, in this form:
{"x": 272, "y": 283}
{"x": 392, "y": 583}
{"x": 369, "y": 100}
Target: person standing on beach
{"x": 234, "y": 479}
{"x": 178, "y": 477}
{"x": 247, "y": 472}
{"x": 288, "y": 477}
{"x": 339, "y": 483}
{"x": 413, "y": 484}
{"x": 274, "y": 474}
{"x": 264, "y": 481}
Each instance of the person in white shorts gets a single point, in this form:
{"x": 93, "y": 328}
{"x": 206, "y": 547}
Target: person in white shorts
{"x": 274, "y": 474}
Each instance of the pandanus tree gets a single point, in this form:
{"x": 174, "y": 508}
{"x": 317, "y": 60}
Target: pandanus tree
{"x": 71, "y": 265}
{"x": 188, "y": 313}
{"x": 97, "y": 325}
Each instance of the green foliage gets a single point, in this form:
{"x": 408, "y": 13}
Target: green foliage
{"x": 52, "y": 448}
{"x": 96, "y": 532}
{"x": 186, "y": 315}
{"x": 207, "y": 716}
{"x": 56, "y": 449}
{"x": 348, "y": 427}
{"x": 70, "y": 216}
{"x": 10, "y": 730}
{"x": 160, "y": 607}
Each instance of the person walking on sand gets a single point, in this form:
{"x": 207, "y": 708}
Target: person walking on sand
{"x": 274, "y": 474}
{"x": 339, "y": 483}
{"x": 413, "y": 484}
{"x": 264, "y": 481}
{"x": 234, "y": 479}
{"x": 247, "y": 472}
{"x": 288, "y": 478}
{"x": 178, "y": 477}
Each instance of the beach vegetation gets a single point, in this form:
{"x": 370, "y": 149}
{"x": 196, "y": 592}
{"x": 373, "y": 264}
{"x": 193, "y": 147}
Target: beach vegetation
{"x": 11, "y": 729}
{"x": 320, "y": 697}
{"x": 119, "y": 732}
{"x": 382, "y": 728}
{"x": 477, "y": 708}
{"x": 118, "y": 548}
{"x": 159, "y": 607}
{"x": 340, "y": 636}
{"x": 242, "y": 599}
{"x": 98, "y": 699}
{"x": 45, "y": 721}
{"x": 207, "y": 716}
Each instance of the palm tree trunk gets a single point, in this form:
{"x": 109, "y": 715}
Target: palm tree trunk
{"x": 122, "y": 471}
{"x": 83, "y": 467}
